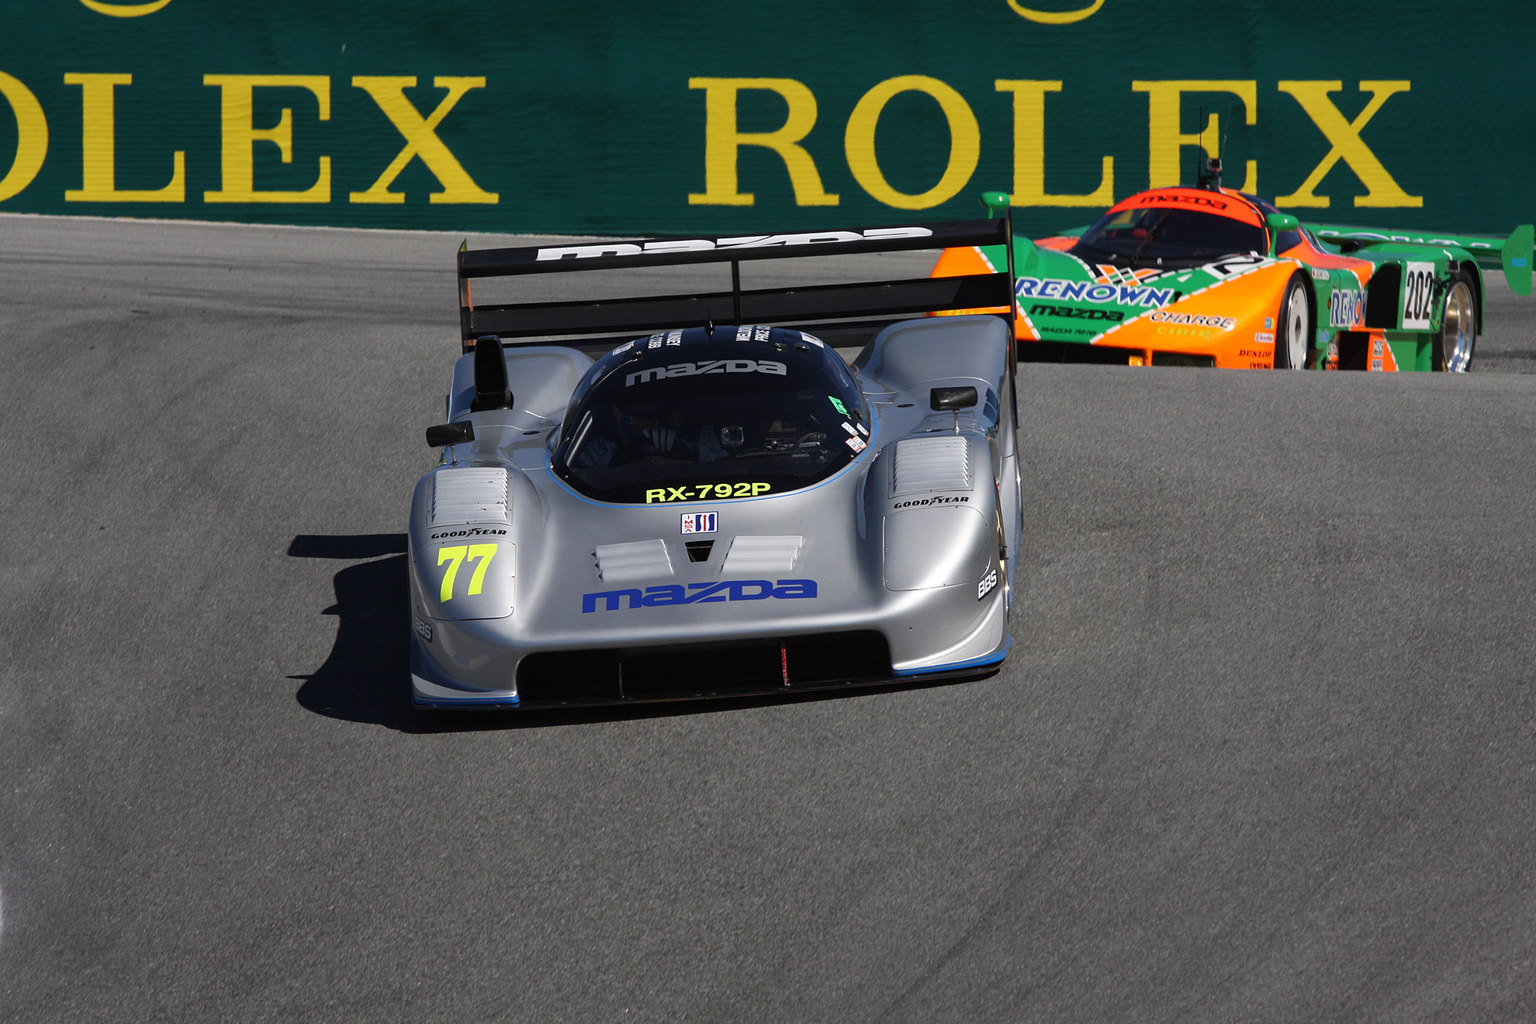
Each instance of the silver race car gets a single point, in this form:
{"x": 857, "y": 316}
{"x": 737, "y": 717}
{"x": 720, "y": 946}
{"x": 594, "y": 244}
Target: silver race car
{"x": 721, "y": 504}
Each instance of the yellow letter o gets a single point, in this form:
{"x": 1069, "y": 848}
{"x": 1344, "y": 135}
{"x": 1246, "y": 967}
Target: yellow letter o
{"x": 131, "y": 10}
{"x": 964, "y": 142}
{"x": 31, "y": 136}
{"x": 1056, "y": 17}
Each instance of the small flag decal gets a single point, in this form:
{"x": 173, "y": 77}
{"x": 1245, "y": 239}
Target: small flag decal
{"x": 701, "y": 522}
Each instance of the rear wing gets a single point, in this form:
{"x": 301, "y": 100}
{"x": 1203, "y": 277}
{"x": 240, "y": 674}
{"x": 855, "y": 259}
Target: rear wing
{"x": 1512, "y": 254}
{"x": 813, "y": 303}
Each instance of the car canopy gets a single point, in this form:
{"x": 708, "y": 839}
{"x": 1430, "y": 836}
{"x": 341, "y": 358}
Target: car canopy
{"x": 737, "y": 411}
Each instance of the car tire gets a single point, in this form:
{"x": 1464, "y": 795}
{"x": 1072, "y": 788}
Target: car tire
{"x": 1011, "y": 571}
{"x": 1293, "y": 330}
{"x": 1455, "y": 343}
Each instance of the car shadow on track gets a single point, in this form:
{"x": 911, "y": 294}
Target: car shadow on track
{"x": 366, "y": 677}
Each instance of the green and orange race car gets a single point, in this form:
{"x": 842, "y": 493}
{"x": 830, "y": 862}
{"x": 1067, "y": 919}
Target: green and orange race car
{"x": 1208, "y": 276}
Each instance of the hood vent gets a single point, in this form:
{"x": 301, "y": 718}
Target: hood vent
{"x": 636, "y": 560}
{"x": 761, "y": 554}
{"x": 930, "y": 464}
{"x": 468, "y": 496}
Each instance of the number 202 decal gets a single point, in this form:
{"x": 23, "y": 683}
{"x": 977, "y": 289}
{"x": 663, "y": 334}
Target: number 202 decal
{"x": 455, "y": 556}
{"x": 1418, "y": 295}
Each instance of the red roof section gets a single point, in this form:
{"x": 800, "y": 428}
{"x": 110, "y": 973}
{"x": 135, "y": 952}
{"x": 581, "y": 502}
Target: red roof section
{"x": 1223, "y": 203}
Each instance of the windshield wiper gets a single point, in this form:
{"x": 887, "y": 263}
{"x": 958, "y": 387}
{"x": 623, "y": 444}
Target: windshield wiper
{"x": 1151, "y": 237}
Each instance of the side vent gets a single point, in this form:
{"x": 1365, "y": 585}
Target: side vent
{"x": 930, "y": 464}
{"x": 469, "y": 496}
{"x": 1381, "y": 296}
{"x": 1353, "y": 346}
{"x": 761, "y": 555}
{"x": 636, "y": 560}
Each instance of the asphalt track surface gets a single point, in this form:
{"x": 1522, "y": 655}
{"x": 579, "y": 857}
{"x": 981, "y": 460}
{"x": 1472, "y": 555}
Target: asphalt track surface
{"x": 1265, "y": 749}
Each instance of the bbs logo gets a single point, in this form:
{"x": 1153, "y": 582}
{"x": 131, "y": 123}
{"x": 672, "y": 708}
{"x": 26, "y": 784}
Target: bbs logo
{"x": 988, "y": 582}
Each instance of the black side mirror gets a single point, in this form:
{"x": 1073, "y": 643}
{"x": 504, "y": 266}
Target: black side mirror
{"x": 492, "y": 390}
{"x": 450, "y": 433}
{"x": 951, "y": 399}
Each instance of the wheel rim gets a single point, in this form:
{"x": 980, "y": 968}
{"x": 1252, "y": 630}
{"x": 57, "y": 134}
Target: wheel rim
{"x": 1296, "y": 329}
{"x": 1457, "y": 332}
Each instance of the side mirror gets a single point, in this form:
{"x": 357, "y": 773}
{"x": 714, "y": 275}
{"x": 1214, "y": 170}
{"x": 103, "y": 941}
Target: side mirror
{"x": 995, "y": 202}
{"x": 951, "y": 399}
{"x": 450, "y": 433}
{"x": 1278, "y": 222}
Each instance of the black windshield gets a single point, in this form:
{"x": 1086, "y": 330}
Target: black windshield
{"x": 713, "y": 419}
{"x": 1157, "y": 236}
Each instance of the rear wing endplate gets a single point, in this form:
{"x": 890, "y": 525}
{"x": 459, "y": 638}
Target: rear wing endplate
{"x": 608, "y": 317}
{"x": 1512, "y": 254}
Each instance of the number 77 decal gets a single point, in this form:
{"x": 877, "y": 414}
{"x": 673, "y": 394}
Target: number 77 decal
{"x": 455, "y": 556}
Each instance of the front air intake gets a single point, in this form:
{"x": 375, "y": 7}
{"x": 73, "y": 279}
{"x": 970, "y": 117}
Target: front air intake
{"x": 703, "y": 670}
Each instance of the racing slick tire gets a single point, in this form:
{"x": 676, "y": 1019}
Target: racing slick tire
{"x": 1293, "y": 332}
{"x": 1454, "y": 345}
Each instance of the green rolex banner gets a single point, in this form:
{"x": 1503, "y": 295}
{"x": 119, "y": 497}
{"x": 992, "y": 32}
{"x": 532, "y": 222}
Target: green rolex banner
{"x": 669, "y": 116}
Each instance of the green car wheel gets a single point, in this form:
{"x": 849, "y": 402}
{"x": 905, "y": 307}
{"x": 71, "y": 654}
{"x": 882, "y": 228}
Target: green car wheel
{"x": 1458, "y": 328}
